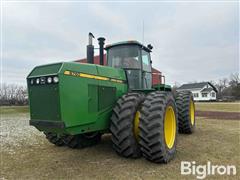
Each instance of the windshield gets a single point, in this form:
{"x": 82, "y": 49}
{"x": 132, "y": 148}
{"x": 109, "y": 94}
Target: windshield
{"x": 126, "y": 56}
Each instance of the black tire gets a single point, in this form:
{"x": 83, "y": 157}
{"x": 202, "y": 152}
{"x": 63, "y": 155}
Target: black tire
{"x": 82, "y": 140}
{"x": 183, "y": 101}
{"x": 54, "y": 138}
{"x": 152, "y": 135}
{"x": 124, "y": 140}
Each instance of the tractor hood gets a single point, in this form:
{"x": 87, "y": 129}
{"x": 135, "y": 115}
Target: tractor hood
{"x": 73, "y": 97}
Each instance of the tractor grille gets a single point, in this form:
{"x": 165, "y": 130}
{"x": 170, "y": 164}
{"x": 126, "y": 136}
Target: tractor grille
{"x": 44, "y": 102}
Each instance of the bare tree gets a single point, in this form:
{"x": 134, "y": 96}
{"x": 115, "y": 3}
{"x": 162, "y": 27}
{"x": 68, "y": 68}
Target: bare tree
{"x": 229, "y": 88}
{"x": 12, "y": 94}
{"x": 234, "y": 79}
{"x": 234, "y": 83}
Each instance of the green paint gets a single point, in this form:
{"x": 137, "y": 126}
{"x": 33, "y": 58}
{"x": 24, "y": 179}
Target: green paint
{"x": 83, "y": 104}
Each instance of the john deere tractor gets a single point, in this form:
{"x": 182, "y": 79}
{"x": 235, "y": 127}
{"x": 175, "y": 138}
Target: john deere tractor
{"x": 73, "y": 104}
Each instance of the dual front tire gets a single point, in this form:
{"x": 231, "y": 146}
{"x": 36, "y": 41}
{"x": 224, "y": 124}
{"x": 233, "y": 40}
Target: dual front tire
{"x": 124, "y": 125}
{"x": 158, "y": 127}
{"x": 147, "y": 125}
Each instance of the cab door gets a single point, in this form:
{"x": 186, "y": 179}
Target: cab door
{"x": 146, "y": 70}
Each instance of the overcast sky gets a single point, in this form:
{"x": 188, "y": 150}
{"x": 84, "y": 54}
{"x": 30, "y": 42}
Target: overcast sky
{"x": 192, "y": 41}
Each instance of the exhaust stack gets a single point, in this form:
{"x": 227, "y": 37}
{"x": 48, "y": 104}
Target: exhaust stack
{"x": 90, "y": 49}
{"x": 101, "y": 49}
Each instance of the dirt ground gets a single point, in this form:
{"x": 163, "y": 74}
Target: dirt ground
{"x": 219, "y": 115}
{"x": 26, "y": 154}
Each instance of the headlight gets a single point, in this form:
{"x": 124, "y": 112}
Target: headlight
{"x": 32, "y": 81}
{"x": 37, "y": 80}
{"x": 55, "y": 79}
{"x": 49, "y": 80}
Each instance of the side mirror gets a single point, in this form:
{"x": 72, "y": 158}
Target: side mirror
{"x": 150, "y": 46}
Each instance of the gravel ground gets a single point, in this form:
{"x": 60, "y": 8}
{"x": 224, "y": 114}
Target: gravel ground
{"x": 16, "y": 132}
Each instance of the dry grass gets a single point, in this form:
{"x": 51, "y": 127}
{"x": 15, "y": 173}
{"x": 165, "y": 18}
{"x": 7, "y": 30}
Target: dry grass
{"x": 13, "y": 109}
{"x": 218, "y": 106}
{"x": 33, "y": 157}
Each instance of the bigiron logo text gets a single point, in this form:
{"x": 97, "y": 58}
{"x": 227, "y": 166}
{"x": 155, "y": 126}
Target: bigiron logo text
{"x": 202, "y": 171}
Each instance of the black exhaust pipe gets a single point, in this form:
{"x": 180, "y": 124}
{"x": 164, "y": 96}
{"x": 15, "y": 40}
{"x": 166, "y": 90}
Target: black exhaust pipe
{"x": 90, "y": 49}
{"x": 101, "y": 49}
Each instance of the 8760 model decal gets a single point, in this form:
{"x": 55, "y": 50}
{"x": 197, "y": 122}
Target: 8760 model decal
{"x": 90, "y": 76}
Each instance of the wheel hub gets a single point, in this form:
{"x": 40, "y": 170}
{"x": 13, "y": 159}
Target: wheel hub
{"x": 136, "y": 125}
{"x": 170, "y": 127}
{"x": 192, "y": 112}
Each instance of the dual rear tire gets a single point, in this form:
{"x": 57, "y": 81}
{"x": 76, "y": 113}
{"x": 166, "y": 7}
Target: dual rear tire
{"x": 54, "y": 138}
{"x": 82, "y": 140}
{"x": 74, "y": 141}
{"x": 186, "y": 112}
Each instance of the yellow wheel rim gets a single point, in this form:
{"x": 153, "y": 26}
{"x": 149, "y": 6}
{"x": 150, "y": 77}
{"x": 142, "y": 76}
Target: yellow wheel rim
{"x": 136, "y": 125}
{"x": 170, "y": 127}
{"x": 192, "y": 112}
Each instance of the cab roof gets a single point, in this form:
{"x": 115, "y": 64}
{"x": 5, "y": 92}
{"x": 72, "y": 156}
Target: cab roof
{"x": 131, "y": 42}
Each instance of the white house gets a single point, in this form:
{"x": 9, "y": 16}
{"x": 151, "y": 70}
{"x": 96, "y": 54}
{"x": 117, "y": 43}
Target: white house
{"x": 203, "y": 91}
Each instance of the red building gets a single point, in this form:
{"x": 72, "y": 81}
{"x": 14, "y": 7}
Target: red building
{"x": 156, "y": 75}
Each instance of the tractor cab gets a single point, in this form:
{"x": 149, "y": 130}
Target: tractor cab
{"x": 135, "y": 60}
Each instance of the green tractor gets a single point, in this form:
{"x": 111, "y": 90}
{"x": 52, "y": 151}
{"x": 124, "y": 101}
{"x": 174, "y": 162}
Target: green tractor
{"x": 73, "y": 104}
